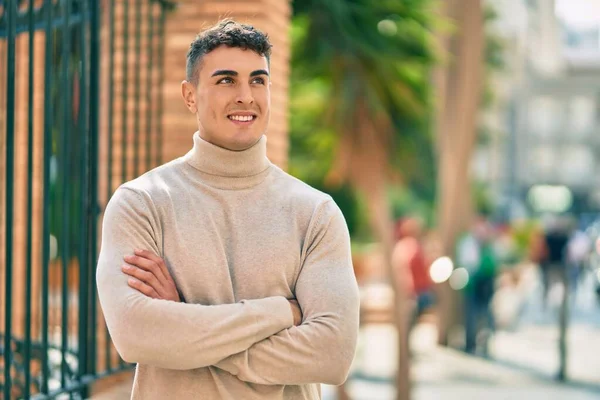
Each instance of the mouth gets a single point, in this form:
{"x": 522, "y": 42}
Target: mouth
{"x": 242, "y": 118}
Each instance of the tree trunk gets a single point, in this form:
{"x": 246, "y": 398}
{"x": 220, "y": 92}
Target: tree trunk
{"x": 381, "y": 222}
{"x": 362, "y": 159}
{"x": 458, "y": 83}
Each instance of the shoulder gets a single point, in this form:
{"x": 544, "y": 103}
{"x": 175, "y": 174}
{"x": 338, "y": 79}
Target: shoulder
{"x": 147, "y": 188}
{"x": 293, "y": 189}
{"x": 317, "y": 206}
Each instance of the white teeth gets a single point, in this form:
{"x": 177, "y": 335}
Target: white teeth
{"x": 242, "y": 118}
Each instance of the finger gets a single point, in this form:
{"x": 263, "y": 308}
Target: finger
{"x": 159, "y": 261}
{"x": 146, "y": 264}
{"x": 143, "y": 288}
{"x": 145, "y": 277}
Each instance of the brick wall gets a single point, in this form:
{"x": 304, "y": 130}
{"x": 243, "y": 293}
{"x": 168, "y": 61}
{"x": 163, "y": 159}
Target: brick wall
{"x": 190, "y": 17}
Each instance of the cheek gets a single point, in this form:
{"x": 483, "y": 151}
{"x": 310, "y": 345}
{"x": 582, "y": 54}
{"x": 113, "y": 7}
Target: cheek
{"x": 263, "y": 99}
{"x": 212, "y": 105}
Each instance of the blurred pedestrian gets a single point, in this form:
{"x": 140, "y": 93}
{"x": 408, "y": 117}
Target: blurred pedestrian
{"x": 558, "y": 231}
{"x": 553, "y": 265}
{"x": 475, "y": 253}
{"x": 411, "y": 260}
{"x": 579, "y": 248}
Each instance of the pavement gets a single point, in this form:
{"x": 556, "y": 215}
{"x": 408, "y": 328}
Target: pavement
{"x": 444, "y": 373}
{"x": 522, "y": 364}
{"x": 533, "y": 344}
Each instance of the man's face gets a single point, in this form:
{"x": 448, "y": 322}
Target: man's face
{"x": 232, "y": 100}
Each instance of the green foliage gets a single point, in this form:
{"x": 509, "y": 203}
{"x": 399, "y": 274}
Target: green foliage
{"x": 405, "y": 201}
{"x": 351, "y": 52}
{"x": 484, "y": 204}
{"x": 522, "y": 232}
{"x": 493, "y": 56}
{"x": 67, "y": 177}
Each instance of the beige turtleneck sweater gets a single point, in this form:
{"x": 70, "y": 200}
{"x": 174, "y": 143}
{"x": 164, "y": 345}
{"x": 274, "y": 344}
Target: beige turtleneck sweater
{"x": 239, "y": 236}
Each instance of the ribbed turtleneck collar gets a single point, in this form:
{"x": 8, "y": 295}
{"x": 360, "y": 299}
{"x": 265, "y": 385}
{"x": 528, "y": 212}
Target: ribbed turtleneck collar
{"x": 229, "y": 169}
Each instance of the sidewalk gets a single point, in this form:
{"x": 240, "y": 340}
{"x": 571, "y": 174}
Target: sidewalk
{"x": 442, "y": 373}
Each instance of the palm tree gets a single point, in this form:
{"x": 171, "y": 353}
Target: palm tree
{"x": 361, "y": 67}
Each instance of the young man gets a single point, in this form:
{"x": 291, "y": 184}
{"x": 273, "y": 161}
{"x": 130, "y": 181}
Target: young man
{"x": 220, "y": 275}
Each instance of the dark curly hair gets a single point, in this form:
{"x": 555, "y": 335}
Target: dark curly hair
{"x": 229, "y": 33}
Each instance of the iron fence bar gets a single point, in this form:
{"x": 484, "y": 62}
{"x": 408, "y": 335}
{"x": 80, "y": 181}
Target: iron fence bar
{"x": 82, "y": 342}
{"x": 111, "y": 93}
{"x": 150, "y": 86}
{"x": 46, "y": 201}
{"x": 10, "y": 136}
{"x": 125, "y": 90}
{"x": 125, "y": 98}
{"x": 93, "y": 188}
{"x": 111, "y": 89}
{"x": 161, "y": 57}
{"x": 66, "y": 47}
{"x": 28, "y": 273}
{"x": 136, "y": 129}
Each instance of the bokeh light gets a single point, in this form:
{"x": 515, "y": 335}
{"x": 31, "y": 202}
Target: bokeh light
{"x": 387, "y": 27}
{"x": 459, "y": 279}
{"x": 441, "y": 269}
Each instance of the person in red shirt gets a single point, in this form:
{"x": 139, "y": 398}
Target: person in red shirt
{"x": 410, "y": 259}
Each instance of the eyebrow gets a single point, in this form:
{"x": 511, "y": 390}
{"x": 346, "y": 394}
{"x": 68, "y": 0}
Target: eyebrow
{"x": 259, "y": 72}
{"x": 229, "y": 72}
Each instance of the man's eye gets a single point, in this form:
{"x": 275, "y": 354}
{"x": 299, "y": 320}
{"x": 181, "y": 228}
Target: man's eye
{"x": 260, "y": 81}
{"x": 225, "y": 80}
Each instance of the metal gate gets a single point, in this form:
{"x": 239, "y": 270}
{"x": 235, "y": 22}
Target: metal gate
{"x": 80, "y": 112}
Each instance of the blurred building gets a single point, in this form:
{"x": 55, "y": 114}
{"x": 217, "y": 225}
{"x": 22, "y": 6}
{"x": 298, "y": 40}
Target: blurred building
{"x": 544, "y": 146}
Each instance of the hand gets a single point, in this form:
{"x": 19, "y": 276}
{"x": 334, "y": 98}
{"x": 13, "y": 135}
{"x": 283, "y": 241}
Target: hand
{"x": 296, "y": 311}
{"x": 150, "y": 276}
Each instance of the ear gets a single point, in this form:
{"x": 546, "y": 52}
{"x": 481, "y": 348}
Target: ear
{"x": 188, "y": 92}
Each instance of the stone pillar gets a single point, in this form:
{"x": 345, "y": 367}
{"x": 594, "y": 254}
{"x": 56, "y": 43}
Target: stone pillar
{"x": 189, "y": 18}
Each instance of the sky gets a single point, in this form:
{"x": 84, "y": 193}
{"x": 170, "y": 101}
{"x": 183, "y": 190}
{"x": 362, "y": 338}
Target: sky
{"x": 581, "y": 13}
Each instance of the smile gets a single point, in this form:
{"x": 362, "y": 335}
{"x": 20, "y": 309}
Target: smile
{"x": 242, "y": 118}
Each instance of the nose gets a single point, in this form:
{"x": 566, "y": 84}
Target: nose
{"x": 244, "y": 95}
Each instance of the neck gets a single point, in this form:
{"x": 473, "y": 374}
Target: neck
{"x": 203, "y": 137}
{"x": 228, "y": 168}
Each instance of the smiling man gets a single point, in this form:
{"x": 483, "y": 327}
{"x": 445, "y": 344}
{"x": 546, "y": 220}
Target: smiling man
{"x": 220, "y": 275}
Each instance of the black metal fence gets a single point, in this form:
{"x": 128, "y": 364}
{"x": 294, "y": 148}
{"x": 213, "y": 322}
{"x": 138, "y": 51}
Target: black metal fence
{"x": 80, "y": 112}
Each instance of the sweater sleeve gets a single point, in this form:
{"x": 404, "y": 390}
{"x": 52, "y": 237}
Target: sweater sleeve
{"x": 322, "y": 348}
{"x": 164, "y": 333}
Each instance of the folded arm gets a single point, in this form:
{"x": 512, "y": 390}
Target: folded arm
{"x": 322, "y": 348}
{"x": 164, "y": 333}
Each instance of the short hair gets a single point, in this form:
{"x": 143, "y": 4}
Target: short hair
{"x": 228, "y": 33}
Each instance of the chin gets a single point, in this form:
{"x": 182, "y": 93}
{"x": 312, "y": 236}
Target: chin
{"x": 243, "y": 141}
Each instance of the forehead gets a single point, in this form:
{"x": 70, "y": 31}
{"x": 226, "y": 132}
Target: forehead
{"x": 232, "y": 58}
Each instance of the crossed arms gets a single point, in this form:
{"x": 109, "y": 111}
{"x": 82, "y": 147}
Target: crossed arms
{"x": 256, "y": 340}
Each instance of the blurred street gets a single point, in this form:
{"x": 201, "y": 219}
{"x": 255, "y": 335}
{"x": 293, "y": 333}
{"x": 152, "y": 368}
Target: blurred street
{"x": 459, "y": 140}
{"x": 533, "y": 344}
{"x": 522, "y": 364}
